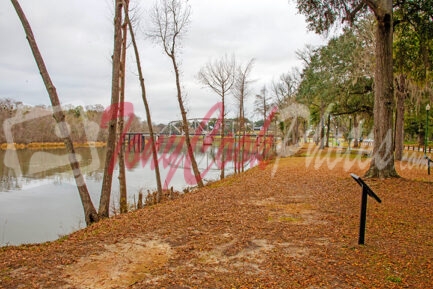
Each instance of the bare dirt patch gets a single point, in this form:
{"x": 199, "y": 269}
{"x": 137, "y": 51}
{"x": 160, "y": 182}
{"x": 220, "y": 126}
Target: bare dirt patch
{"x": 250, "y": 254}
{"x": 121, "y": 265}
{"x": 296, "y": 210}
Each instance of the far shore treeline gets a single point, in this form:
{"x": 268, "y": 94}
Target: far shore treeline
{"x": 84, "y": 123}
{"x": 42, "y": 127}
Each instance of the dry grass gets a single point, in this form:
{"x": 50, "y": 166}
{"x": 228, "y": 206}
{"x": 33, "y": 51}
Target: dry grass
{"x": 48, "y": 145}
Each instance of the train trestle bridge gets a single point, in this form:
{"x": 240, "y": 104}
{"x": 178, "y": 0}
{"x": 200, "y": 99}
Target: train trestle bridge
{"x": 205, "y": 130}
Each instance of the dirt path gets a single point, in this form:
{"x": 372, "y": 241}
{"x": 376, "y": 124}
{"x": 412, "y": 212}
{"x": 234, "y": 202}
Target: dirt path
{"x": 291, "y": 227}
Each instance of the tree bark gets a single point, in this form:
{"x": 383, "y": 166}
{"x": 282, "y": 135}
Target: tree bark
{"x": 185, "y": 125}
{"x": 355, "y": 131}
{"x": 322, "y": 125}
{"x": 295, "y": 134}
{"x": 104, "y": 203}
{"x": 242, "y": 151}
{"x": 223, "y": 128}
{"x": 90, "y": 213}
{"x": 240, "y": 159}
{"x": 146, "y": 106}
{"x": 123, "y": 203}
{"x": 328, "y": 130}
{"x": 399, "y": 117}
{"x": 382, "y": 163}
{"x": 170, "y": 20}
{"x": 241, "y": 127}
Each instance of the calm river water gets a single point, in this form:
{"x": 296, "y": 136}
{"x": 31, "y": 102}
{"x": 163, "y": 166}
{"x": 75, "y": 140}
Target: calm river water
{"x": 39, "y": 201}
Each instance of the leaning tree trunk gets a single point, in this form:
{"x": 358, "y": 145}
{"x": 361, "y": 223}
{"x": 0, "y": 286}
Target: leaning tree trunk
{"x": 186, "y": 126}
{"x": 382, "y": 163}
{"x": 399, "y": 117}
{"x": 146, "y": 106}
{"x": 104, "y": 203}
{"x": 90, "y": 213}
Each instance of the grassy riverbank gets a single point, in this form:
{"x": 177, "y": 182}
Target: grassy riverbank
{"x": 48, "y": 145}
{"x": 290, "y": 224}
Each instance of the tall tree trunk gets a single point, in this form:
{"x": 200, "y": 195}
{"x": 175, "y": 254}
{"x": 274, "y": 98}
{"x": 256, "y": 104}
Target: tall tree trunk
{"x": 305, "y": 128}
{"x": 123, "y": 204}
{"x": 264, "y": 121}
{"x": 90, "y": 213}
{"x": 146, "y": 106}
{"x": 382, "y": 163}
{"x": 243, "y": 130}
{"x": 295, "y": 133}
{"x": 322, "y": 124}
{"x": 421, "y": 134}
{"x": 328, "y": 130}
{"x": 104, "y": 203}
{"x": 185, "y": 125}
{"x": 322, "y": 132}
{"x": 240, "y": 129}
{"x": 355, "y": 131}
{"x": 399, "y": 117}
{"x": 223, "y": 129}
{"x": 238, "y": 159}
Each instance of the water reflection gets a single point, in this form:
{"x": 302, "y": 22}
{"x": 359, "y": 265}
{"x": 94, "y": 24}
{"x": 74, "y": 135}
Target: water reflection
{"x": 41, "y": 164}
{"x": 39, "y": 200}
{"x": 8, "y": 181}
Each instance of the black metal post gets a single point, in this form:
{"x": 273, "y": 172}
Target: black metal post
{"x": 366, "y": 191}
{"x": 363, "y": 217}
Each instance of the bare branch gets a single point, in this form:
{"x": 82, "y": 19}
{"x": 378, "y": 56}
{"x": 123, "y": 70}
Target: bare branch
{"x": 219, "y": 75}
{"x": 170, "y": 20}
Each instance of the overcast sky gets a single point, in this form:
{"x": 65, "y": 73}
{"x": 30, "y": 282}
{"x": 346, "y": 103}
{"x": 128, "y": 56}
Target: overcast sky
{"x": 76, "y": 41}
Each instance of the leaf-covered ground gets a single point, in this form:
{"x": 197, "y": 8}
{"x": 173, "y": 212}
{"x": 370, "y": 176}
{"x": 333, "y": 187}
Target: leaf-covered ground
{"x": 291, "y": 224}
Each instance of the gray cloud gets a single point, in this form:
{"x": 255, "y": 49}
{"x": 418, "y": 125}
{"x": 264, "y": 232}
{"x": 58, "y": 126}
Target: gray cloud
{"x": 75, "y": 38}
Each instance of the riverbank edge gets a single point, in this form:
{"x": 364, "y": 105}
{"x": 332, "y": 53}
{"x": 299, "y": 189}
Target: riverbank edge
{"x": 49, "y": 145}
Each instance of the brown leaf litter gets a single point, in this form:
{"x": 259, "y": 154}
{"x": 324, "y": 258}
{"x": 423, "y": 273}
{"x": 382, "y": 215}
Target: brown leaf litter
{"x": 291, "y": 226}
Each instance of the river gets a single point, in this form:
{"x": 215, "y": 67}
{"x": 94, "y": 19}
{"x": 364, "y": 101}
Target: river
{"x": 39, "y": 200}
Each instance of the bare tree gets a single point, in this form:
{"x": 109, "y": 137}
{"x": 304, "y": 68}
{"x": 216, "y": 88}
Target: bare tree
{"x": 146, "y": 106}
{"x": 219, "y": 76}
{"x": 240, "y": 93}
{"x": 284, "y": 91}
{"x": 123, "y": 195}
{"x": 90, "y": 213}
{"x": 262, "y": 106}
{"x": 170, "y": 19}
{"x": 104, "y": 203}
{"x": 262, "y": 103}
